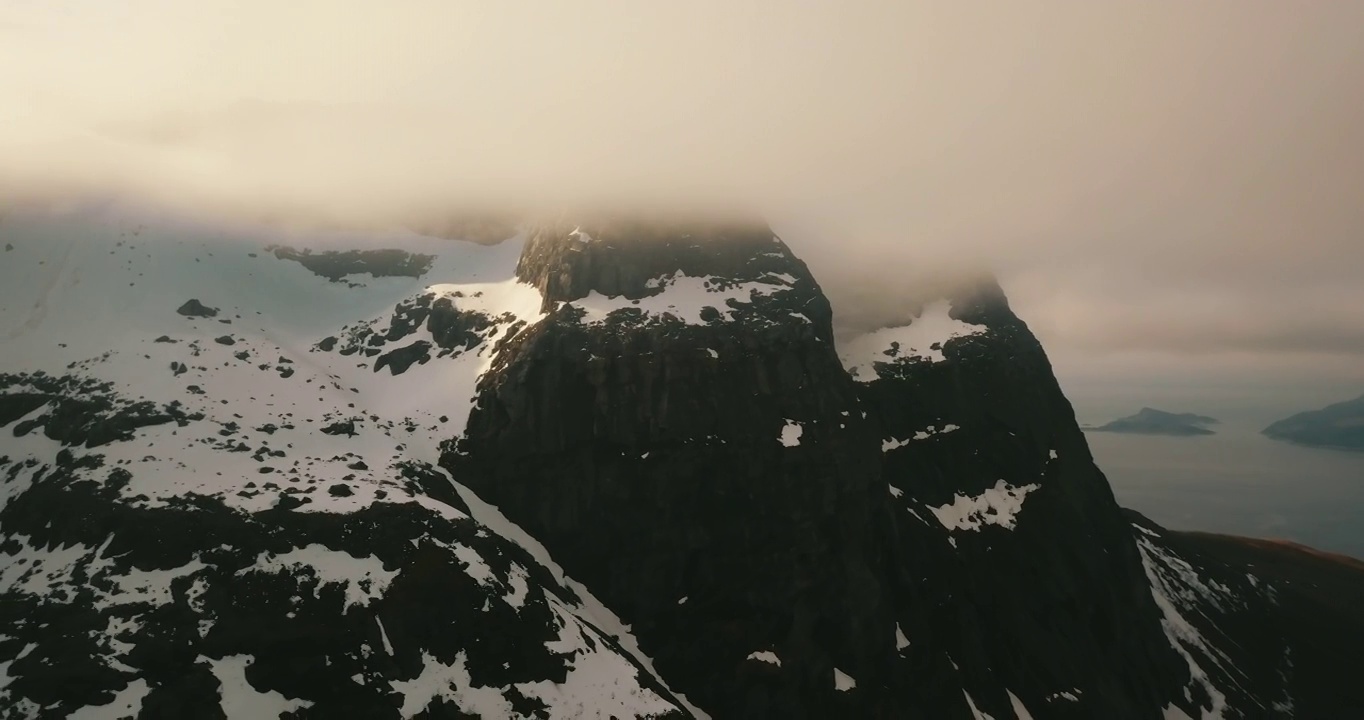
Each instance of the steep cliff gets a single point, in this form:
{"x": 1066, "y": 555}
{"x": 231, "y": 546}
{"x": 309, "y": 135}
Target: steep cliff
{"x": 680, "y": 432}
{"x": 1008, "y": 532}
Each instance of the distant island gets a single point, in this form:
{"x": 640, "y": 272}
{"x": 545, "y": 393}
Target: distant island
{"x": 1149, "y": 421}
{"x": 1335, "y": 426}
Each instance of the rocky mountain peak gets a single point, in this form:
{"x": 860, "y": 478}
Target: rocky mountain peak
{"x": 635, "y": 258}
{"x": 609, "y": 469}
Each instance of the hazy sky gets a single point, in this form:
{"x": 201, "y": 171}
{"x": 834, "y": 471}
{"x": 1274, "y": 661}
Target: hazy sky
{"x": 1172, "y": 193}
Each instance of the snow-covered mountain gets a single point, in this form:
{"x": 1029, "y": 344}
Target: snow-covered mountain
{"x": 598, "y": 469}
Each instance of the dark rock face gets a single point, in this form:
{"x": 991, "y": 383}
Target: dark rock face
{"x": 194, "y": 308}
{"x": 335, "y": 265}
{"x": 989, "y": 413}
{"x": 934, "y": 540}
{"x": 399, "y": 360}
{"x": 1335, "y": 426}
{"x": 453, "y": 329}
{"x": 345, "y": 427}
{"x": 657, "y": 444}
{"x": 1149, "y": 421}
{"x": 448, "y": 330}
{"x": 77, "y": 411}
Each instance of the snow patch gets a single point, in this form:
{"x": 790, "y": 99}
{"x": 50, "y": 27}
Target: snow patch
{"x": 930, "y": 431}
{"x": 474, "y": 565}
{"x": 383, "y": 636}
{"x": 146, "y": 586}
{"x": 766, "y": 656}
{"x": 364, "y": 579}
{"x": 126, "y": 703}
{"x": 922, "y": 338}
{"x": 790, "y": 433}
{"x": 1020, "y": 710}
{"x": 683, "y": 298}
{"x": 240, "y": 701}
{"x": 999, "y": 505}
{"x": 601, "y": 681}
{"x": 452, "y": 684}
{"x": 843, "y": 682}
{"x": 519, "y": 588}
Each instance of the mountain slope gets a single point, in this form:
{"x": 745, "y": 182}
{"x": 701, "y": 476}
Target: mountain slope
{"x": 204, "y": 513}
{"x": 608, "y": 468}
{"x": 1018, "y": 563}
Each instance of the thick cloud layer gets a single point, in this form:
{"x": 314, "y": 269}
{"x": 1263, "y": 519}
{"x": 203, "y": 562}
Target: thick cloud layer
{"x": 1161, "y": 187}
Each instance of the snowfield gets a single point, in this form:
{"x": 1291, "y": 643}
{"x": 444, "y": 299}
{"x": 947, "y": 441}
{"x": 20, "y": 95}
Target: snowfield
{"x": 270, "y": 428}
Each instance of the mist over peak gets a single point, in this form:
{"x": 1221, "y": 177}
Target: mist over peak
{"x": 1147, "y": 181}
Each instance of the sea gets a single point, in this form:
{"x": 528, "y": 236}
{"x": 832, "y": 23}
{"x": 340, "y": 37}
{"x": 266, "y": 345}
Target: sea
{"x": 1239, "y": 482}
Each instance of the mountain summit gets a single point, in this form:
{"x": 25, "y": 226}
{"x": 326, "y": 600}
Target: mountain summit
{"x": 601, "y": 468}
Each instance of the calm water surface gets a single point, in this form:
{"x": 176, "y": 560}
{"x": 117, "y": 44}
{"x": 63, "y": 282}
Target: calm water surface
{"x": 1239, "y": 482}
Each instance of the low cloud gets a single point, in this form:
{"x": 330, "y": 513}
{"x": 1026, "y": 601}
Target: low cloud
{"x": 1170, "y": 178}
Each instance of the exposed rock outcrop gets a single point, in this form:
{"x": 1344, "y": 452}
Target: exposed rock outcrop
{"x": 194, "y": 308}
{"x": 335, "y": 265}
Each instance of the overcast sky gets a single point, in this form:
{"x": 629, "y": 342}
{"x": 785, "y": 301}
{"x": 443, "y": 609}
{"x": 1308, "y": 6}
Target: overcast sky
{"x": 1172, "y": 193}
